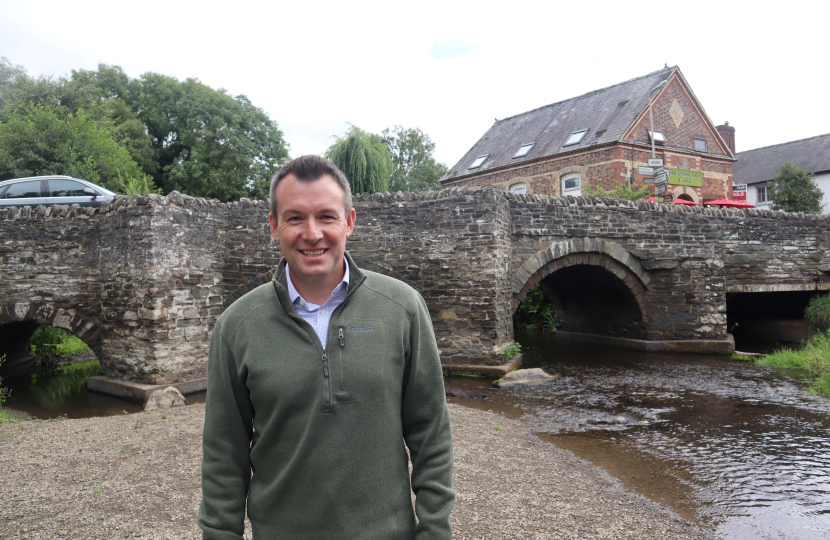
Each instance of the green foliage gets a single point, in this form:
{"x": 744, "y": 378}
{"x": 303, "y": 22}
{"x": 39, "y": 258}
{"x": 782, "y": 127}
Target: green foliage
{"x": 620, "y": 191}
{"x": 38, "y": 142}
{"x": 511, "y": 351}
{"x": 814, "y": 357}
{"x": 818, "y": 312}
{"x": 415, "y": 167}
{"x": 536, "y": 310}
{"x": 185, "y": 135}
{"x": 795, "y": 190}
{"x": 364, "y": 158}
{"x": 208, "y": 143}
{"x": 4, "y": 392}
{"x": 49, "y": 341}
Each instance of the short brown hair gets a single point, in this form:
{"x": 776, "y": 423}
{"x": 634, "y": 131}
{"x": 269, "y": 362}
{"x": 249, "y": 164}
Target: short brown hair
{"x": 308, "y": 169}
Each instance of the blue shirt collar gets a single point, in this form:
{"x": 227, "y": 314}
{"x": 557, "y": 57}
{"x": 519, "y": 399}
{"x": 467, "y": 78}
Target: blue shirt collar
{"x": 292, "y": 291}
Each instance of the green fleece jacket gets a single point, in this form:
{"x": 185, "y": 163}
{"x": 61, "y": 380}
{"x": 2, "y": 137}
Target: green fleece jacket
{"x": 313, "y": 439}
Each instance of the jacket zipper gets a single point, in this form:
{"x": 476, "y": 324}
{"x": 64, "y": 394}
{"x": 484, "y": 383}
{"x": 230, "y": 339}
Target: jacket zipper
{"x": 340, "y": 358}
{"x": 327, "y": 383}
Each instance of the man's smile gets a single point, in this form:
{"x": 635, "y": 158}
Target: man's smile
{"x": 312, "y": 253}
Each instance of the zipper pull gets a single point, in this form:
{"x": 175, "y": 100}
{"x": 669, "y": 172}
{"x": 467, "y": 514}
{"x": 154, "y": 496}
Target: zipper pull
{"x": 325, "y": 364}
{"x": 340, "y": 335}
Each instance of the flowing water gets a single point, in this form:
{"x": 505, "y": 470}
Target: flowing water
{"x": 733, "y": 446}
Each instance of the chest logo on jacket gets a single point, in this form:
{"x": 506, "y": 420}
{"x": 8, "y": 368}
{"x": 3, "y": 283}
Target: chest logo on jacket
{"x": 360, "y": 329}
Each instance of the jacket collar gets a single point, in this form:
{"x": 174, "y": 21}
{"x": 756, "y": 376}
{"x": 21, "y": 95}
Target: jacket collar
{"x": 356, "y": 277}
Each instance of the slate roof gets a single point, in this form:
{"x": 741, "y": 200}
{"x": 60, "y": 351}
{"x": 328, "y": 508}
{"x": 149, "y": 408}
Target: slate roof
{"x": 606, "y": 113}
{"x": 759, "y": 165}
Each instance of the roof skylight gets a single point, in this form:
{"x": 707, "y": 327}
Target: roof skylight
{"x": 576, "y": 137}
{"x": 658, "y": 136}
{"x": 524, "y": 150}
{"x": 479, "y": 161}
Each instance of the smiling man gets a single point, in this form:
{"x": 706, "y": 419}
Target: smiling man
{"x": 318, "y": 384}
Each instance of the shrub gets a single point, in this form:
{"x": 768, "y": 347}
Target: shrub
{"x": 818, "y": 312}
{"x": 536, "y": 310}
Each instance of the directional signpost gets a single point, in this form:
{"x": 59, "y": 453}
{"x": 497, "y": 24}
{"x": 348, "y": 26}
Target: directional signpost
{"x": 662, "y": 176}
{"x": 660, "y": 189}
{"x": 647, "y": 171}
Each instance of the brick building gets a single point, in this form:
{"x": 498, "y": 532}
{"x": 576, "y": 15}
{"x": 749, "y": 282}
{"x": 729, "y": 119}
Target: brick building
{"x": 600, "y": 138}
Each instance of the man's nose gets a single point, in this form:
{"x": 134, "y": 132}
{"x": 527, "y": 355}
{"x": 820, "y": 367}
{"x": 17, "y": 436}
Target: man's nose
{"x": 312, "y": 231}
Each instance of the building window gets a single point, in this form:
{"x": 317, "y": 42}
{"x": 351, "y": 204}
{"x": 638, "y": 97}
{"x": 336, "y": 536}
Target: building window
{"x": 479, "y": 160}
{"x": 657, "y": 136}
{"x": 519, "y": 189}
{"x": 576, "y": 137}
{"x": 700, "y": 145}
{"x": 572, "y": 185}
{"x": 763, "y": 195}
{"x": 524, "y": 150}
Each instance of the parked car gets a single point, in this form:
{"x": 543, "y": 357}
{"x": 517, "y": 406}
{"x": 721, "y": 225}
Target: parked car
{"x": 49, "y": 190}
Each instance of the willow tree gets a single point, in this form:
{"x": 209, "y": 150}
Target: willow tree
{"x": 364, "y": 158}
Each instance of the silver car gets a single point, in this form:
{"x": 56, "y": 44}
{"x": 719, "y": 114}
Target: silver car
{"x": 49, "y": 190}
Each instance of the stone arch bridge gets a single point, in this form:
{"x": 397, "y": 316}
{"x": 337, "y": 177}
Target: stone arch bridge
{"x": 142, "y": 279}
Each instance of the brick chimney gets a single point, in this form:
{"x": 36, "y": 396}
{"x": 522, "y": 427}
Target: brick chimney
{"x": 728, "y": 133}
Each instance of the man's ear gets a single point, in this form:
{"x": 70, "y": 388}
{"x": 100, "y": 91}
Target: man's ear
{"x": 350, "y": 219}
{"x": 275, "y": 231}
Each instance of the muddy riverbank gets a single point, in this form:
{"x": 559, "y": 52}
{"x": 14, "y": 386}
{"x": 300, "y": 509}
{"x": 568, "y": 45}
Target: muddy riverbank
{"x": 137, "y": 476}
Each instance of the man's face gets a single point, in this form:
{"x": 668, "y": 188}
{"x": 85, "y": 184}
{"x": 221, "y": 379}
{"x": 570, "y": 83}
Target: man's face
{"x": 311, "y": 226}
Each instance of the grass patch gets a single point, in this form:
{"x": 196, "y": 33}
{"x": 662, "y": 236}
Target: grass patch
{"x": 818, "y": 312}
{"x": 814, "y": 357}
{"x": 6, "y": 418}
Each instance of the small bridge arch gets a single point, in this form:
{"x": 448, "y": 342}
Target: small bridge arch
{"x": 596, "y": 285}
{"x": 18, "y": 321}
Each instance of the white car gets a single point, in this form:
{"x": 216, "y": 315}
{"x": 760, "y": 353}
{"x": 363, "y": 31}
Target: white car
{"x": 49, "y": 190}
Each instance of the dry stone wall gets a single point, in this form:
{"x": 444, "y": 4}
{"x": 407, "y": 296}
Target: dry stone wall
{"x": 143, "y": 279}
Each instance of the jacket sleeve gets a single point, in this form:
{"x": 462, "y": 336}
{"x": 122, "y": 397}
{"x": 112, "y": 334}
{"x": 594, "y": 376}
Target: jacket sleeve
{"x": 226, "y": 465}
{"x": 426, "y": 428}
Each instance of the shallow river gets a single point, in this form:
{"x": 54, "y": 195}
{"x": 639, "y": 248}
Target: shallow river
{"x": 730, "y": 445}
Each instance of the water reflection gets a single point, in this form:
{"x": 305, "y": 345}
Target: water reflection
{"x": 736, "y": 446}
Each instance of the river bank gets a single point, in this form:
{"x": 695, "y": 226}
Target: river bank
{"x": 137, "y": 476}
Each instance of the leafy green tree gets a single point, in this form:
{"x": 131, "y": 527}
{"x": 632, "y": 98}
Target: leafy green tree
{"x": 364, "y": 158}
{"x": 39, "y": 142}
{"x": 620, "y": 191}
{"x": 185, "y": 135}
{"x": 9, "y": 75}
{"x": 415, "y": 167}
{"x": 208, "y": 143}
{"x": 795, "y": 190}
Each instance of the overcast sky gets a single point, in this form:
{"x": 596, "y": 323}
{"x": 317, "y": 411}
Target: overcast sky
{"x": 447, "y": 68}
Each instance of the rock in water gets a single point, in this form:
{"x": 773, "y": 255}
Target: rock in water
{"x": 463, "y": 394}
{"x": 165, "y": 399}
{"x": 524, "y": 376}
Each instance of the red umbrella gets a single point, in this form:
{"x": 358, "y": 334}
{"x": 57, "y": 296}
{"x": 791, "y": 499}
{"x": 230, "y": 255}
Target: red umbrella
{"x": 733, "y": 204}
{"x": 677, "y": 201}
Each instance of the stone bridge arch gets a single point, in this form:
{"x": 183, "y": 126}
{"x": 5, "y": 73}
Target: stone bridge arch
{"x": 18, "y": 321}
{"x": 596, "y": 285}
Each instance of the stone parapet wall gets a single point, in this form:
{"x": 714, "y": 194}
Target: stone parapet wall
{"x": 142, "y": 279}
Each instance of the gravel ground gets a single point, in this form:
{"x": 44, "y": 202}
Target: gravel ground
{"x": 137, "y": 476}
